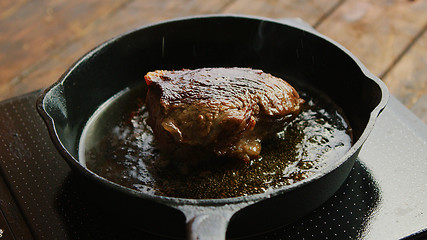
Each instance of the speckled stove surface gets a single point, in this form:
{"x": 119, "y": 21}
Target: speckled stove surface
{"x": 385, "y": 196}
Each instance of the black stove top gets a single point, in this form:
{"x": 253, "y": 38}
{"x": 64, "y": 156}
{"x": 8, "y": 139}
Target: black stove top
{"x": 384, "y": 197}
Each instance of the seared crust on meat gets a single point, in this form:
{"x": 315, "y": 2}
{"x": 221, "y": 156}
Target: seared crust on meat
{"x": 225, "y": 111}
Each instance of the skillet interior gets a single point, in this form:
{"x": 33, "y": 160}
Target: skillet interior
{"x": 282, "y": 50}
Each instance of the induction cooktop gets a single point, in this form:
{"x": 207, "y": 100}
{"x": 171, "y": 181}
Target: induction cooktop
{"x": 384, "y": 197}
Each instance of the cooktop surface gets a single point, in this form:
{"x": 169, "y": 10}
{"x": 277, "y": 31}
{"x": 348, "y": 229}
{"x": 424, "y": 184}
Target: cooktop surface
{"x": 384, "y": 197}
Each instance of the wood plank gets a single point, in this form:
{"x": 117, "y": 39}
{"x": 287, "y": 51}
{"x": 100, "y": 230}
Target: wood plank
{"x": 376, "y": 31}
{"x": 408, "y": 79}
{"x": 9, "y": 7}
{"x": 32, "y": 31}
{"x": 138, "y": 13}
{"x": 104, "y": 25}
{"x": 310, "y": 11}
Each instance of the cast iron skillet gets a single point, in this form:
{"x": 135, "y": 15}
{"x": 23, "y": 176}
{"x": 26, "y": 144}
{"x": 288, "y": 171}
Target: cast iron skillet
{"x": 286, "y": 49}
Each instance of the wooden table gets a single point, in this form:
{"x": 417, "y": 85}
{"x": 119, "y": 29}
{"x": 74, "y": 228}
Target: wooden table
{"x": 39, "y": 40}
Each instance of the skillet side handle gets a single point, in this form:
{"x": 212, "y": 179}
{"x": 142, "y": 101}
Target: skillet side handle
{"x": 208, "y": 226}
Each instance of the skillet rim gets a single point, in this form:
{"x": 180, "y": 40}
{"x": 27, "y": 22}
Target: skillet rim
{"x": 173, "y": 201}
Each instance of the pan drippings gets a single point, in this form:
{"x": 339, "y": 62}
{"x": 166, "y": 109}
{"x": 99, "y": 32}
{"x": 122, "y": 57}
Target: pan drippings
{"x": 118, "y": 145}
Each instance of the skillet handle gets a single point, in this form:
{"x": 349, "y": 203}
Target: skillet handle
{"x": 208, "y": 226}
{"x": 209, "y": 222}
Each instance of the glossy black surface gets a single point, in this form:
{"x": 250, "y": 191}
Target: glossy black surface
{"x": 295, "y": 53}
{"x": 384, "y": 196}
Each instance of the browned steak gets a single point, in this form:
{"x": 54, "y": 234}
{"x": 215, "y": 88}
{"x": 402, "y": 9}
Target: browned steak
{"x": 225, "y": 111}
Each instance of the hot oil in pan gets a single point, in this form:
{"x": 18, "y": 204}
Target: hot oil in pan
{"x": 118, "y": 145}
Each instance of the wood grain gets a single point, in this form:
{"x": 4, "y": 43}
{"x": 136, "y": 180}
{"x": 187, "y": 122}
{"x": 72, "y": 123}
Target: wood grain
{"x": 131, "y": 15}
{"x": 44, "y": 65}
{"x": 376, "y": 31}
{"x": 408, "y": 79}
{"x": 40, "y": 39}
{"x": 311, "y": 11}
{"x": 32, "y": 31}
